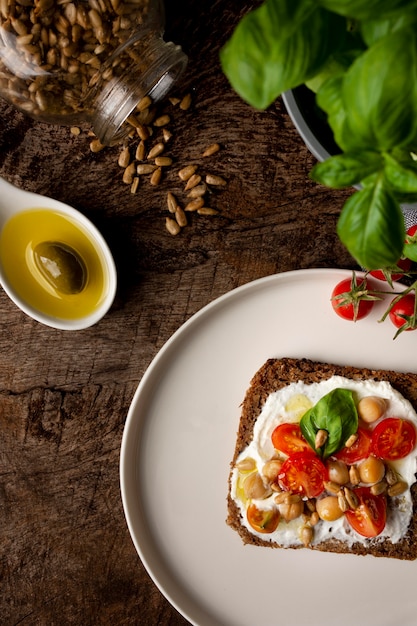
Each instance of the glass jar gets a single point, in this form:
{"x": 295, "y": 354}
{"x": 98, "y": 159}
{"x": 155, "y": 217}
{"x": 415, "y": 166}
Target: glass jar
{"x": 71, "y": 61}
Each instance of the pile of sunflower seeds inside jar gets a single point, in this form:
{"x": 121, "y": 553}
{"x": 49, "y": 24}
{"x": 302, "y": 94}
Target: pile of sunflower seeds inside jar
{"x": 53, "y": 52}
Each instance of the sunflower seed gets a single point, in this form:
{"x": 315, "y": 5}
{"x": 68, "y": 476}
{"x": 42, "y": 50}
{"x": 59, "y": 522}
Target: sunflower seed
{"x": 156, "y": 151}
{"x": 140, "y": 151}
{"x": 135, "y": 185}
{"x": 185, "y": 102}
{"x": 195, "y": 204}
{"x": 129, "y": 173}
{"x": 172, "y": 226}
{"x": 145, "y": 103}
{"x": 145, "y": 168}
{"x": 171, "y": 202}
{"x": 156, "y": 177}
{"x": 124, "y": 157}
{"x": 96, "y": 145}
{"x": 163, "y": 161}
{"x": 193, "y": 181}
{"x": 205, "y": 210}
{"x": 198, "y": 191}
{"x": 180, "y": 216}
{"x": 212, "y": 149}
{"x": 163, "y": 120}
{"x": 186, "y": 172}
{"x": 212, "y": 179}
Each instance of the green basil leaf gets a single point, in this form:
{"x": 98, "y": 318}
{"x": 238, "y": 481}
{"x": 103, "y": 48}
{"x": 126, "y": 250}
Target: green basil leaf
{"x": 360, "y": 9}
{"x": 371, "y": 226}
{"x": 347, "y": 169}
{"x": 279, "y": 46}
{"x": 380, "y": 93}
{"x": 410, "y": 251}
{"x": 329, "y": 98}
{"x": 336, "y": 414}
{"x": 402, "y": 176}
{"x": 375, "y": 28}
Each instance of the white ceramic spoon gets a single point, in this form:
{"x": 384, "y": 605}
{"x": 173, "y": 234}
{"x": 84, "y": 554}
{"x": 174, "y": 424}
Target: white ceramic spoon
{"x": 13, "y": 201}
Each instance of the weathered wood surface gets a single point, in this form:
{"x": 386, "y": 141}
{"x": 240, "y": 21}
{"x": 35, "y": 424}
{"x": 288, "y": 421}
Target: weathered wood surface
{"x": 66, "y": 554}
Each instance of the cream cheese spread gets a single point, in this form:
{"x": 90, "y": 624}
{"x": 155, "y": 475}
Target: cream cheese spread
{"x": 288, "y": 405}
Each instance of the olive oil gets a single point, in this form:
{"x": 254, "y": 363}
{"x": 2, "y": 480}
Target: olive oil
{"x": 22, "y": 234}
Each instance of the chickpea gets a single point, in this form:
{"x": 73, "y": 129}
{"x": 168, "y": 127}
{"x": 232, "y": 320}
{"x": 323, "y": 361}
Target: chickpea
{"x": 338, "y": 472}
{"x": 254, "y": 487}
{"x": 371, "y": 470}
{"x": 271, "y": 469}
{"x": 328, "y": 508}
{"x": 371, "y": 408}
{"x": 291, "y": 511}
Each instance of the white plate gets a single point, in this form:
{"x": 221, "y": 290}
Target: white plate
{"x": 179, "y": 439}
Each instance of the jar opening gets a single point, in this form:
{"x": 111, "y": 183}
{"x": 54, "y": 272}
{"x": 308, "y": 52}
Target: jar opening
{"x": 164, "y": 63}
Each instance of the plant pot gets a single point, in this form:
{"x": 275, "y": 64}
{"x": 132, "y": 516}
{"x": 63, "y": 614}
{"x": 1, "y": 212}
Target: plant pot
{"x": 314, "y": 130}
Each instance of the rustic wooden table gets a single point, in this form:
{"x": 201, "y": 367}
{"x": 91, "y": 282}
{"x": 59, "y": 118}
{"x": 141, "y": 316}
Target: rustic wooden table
{"x": 66, "y": 554}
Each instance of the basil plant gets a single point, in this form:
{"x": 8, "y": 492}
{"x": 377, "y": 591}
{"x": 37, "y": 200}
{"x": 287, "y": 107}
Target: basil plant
{"x": 360, "y": 59}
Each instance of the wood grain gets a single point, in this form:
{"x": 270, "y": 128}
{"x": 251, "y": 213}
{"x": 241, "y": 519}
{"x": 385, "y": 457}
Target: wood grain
{"x": 67, "y": 557}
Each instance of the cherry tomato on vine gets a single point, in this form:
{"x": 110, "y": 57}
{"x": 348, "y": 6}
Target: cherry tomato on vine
{"x": 351, "y": 298}
{"x": 359, "y": 450}
{"x": 303, "y": 473}
{"x": 288, "y": 438}
{"x": 263, "y": 521}
{"x": 369, "y": 518}
{"x": 393, "y": 438}
{"x": 402, "y": 312}
{"x": 404, "y": 264}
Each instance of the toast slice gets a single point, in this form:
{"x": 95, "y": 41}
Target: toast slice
{"x": 276, "y": 374}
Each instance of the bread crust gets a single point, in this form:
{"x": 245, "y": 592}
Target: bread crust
{"x": 278, "y": 373}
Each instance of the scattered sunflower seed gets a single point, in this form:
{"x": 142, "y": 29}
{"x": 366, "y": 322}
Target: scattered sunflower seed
{"x": 96, "y": 145}
{"x": 156, "y": 177}
{"x": 212, "y": 149}
{"x": 172, "y": 226}
{"x": 142, "y": 131}
{"x": 205, "y": 210}
{"x": 163, "y": 161}
{"x": 171, "y": 202}
{"x": 181, "y": 217}
{"x": 166, "y": 134}
{"x": 163, "y": 120}
{"x": 185, "y": 102}
{"x": 124, "y": 157}
{"x": 140, "y": 151}
{"x": 145, "y": 168}
{"x": 195, "y": 204}
{"x": 156, "y": 151}
{"x": 212, "y": 179}
{"x": 198, "y": 191}
{"x": 129, "y": 173}
{"x": 135, "y": 185}
{"x": 186, "y": 172}
{"x": 193, "y": 181}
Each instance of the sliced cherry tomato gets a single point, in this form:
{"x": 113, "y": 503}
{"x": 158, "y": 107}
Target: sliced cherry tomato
{"x": 303, "y": 473}
{"x": 404, "y": 264}
{"x": 402, "y": 312}
{"x": 393, "y": 438}
{"x": 412, "y": 230}
{"x": 351, "y": 298}
{"x": 361, "y": 449}
{"x": 369, "y": 518}
{"x": 263, "y": 521}
{"x": 288, "y": 438}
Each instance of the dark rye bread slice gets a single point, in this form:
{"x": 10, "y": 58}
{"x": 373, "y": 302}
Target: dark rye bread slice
{"x": 278, "y": 373}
